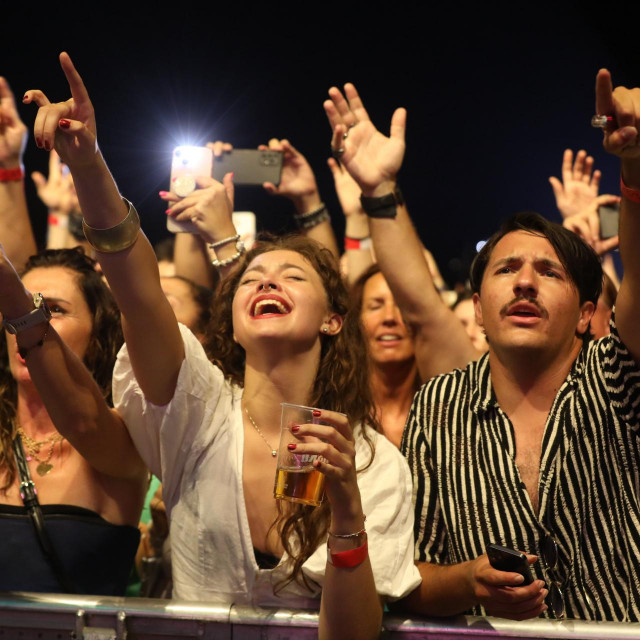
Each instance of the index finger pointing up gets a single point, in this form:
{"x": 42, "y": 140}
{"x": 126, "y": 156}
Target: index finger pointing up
{"x": 604, "y": 93}
{"x": 78, "y": 90}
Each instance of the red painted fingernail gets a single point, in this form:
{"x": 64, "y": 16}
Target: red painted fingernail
{"x": 64, "y": 123}
{"x": 38, "y": 143}
{"x": 47, "y": 145}
{"x": 232, "y": 174}
{"x": 162, "y": 193}
{"x": 316, "y": 413}
{"x": 25, "y": 97}
{"x": 295, "y": 428}
{"x": 168, "y": 211}
{"x": 291, "y": 446}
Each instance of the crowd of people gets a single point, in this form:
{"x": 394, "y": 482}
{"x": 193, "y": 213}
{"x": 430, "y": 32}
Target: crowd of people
{"x": 506, "y": 413}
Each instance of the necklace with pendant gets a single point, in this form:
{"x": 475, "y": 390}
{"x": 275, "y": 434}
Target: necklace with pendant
{"x": 274, "y": 452}
{"x": 33, "y": 450}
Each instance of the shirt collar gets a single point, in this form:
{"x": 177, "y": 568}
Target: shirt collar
{"x": 483, "y": 396}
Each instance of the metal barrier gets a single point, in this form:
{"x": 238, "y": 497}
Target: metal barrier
{"x": 34, "y": 616}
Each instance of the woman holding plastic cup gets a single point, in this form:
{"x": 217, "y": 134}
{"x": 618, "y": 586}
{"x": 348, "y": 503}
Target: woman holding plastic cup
{"x": 209, "y": 426}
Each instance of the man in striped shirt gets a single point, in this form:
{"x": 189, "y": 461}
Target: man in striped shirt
{"x": 535, "y": 446}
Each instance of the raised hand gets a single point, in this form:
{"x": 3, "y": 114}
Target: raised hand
{"x": 209, "y": 207}
{"x": 56, "y": 190}
{"x": 586, "y": 224}
{"x": 621, "y": 134}
{"x": 70, "y": 126}
{"x": 579, "y": 186}
{"x": 297, "y": 182}
{"x": 13, "y": 132}
{"x": 371, "y": 158}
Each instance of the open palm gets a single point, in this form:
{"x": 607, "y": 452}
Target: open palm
{"x": 369, "y": 156}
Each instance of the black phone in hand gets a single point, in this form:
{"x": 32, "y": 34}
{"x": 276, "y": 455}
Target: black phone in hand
{"x": 505, "y": 559}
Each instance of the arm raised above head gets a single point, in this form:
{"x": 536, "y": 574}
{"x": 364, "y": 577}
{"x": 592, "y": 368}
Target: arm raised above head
{"x": 149, "y": 325}
{"x": 373, "y": 160}
{"x": 84, "y": 418}
{"x": 622, "y": 138}
{"x": 15, "y": 227}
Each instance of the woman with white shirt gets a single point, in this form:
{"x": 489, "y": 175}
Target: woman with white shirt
{"x": 207, "y": 425}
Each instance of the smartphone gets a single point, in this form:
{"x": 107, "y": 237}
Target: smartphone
{"x": 249, "y": 166}
{"x": 505, "y": 559}
{"x": 187, "y": 164}
{"x": 609, "y": 215}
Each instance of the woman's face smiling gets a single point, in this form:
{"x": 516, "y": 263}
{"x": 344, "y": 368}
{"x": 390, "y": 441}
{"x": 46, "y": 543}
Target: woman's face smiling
{"x": 389, "y": 339}
{"x": 281, "y": 297}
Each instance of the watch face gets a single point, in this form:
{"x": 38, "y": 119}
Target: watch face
{"x": 40, "y": 314}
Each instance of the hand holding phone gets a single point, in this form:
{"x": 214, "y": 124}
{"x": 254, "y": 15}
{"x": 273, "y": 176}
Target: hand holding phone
{"x": 501, "y": 588}
{"x": 505, "y": 559}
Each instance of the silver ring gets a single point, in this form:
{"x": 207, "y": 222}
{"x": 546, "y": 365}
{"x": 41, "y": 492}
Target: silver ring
{"x": 337, "y": 153}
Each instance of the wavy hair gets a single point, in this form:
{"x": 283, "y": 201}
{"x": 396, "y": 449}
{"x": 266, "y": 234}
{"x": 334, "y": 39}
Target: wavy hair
{"x": 100, "y": 357}
{"x": 341, "y": 384}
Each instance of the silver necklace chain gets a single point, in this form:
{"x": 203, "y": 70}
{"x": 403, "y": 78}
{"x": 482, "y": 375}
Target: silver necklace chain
{"x": 274, "y": 452}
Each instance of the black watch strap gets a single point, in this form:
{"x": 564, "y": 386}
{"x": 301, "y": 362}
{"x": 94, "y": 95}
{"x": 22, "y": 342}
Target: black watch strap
{"x": 383, "y": 207}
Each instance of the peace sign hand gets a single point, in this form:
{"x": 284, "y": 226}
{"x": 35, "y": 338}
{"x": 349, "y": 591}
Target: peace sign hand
{"x": 69, "y": 127}
{"x": 370, "y": 157}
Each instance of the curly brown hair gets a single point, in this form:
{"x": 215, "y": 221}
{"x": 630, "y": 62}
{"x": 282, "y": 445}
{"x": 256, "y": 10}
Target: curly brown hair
{"x": 100, "y": 357}
{"x": 342, "y": 381}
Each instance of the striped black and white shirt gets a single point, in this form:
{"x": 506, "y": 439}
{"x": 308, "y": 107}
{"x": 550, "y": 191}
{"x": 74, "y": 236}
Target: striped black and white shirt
{"x": 468, "y": 492}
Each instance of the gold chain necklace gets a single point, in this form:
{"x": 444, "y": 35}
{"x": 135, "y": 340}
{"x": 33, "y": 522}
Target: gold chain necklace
{"x": 274, "y": 452}
{"x": 33, "y": 450}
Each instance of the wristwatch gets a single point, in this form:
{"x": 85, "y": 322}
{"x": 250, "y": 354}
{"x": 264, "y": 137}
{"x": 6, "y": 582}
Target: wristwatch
{"x": 40, "y": 314}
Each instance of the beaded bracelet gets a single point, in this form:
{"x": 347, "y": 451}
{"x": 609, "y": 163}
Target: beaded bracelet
{"x": 312, "y": 219}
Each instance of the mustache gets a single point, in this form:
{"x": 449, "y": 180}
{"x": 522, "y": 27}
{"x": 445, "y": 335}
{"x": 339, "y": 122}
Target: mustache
{"x": 532, "y": 301}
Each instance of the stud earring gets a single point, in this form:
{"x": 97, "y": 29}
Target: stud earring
{"x": 325, "y": 329}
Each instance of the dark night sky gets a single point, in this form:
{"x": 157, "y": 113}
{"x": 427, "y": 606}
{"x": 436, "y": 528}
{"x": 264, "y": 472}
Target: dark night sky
{"x": 494, "y": 95}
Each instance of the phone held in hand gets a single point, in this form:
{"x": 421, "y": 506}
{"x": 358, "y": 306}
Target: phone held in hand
{"x": 249, "y": 166}
{"x": 505, "y": 559}
{"x": 187, "y": 164}
{"x": 609, "y": 215}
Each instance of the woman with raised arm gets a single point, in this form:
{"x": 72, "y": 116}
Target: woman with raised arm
{"x": 77, "y": 531}
{"x": 281, "y": 333}
{"x": 55, "y": 421}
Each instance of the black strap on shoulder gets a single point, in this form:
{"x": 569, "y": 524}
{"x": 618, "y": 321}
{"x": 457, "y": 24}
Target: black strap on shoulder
{"x": 30, "y": 499}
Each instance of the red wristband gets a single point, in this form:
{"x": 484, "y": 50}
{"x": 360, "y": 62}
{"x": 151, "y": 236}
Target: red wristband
{"x": 349, "y": 559}
{"x": 629, "y": 194}
{"x": 11, "y": 175}
{"x": 356, "y": 243}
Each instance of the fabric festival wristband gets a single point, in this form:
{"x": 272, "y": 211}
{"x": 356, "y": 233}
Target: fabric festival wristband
{"x": 349, "y": 559}
{"x": 357, "y": 243}
{"x": 11, "y": 175}
{"x": 629, "y": 194}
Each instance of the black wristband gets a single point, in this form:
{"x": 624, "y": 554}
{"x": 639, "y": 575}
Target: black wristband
{"x": 383, "y": 207}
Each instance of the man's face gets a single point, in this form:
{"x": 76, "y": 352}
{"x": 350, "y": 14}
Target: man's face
{"x": 527, "y": 300}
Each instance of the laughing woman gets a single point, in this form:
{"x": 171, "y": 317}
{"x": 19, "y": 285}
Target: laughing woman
{"x": 207, "y": 423}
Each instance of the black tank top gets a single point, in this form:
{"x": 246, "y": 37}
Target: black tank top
{"x": 96, "y": 554}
